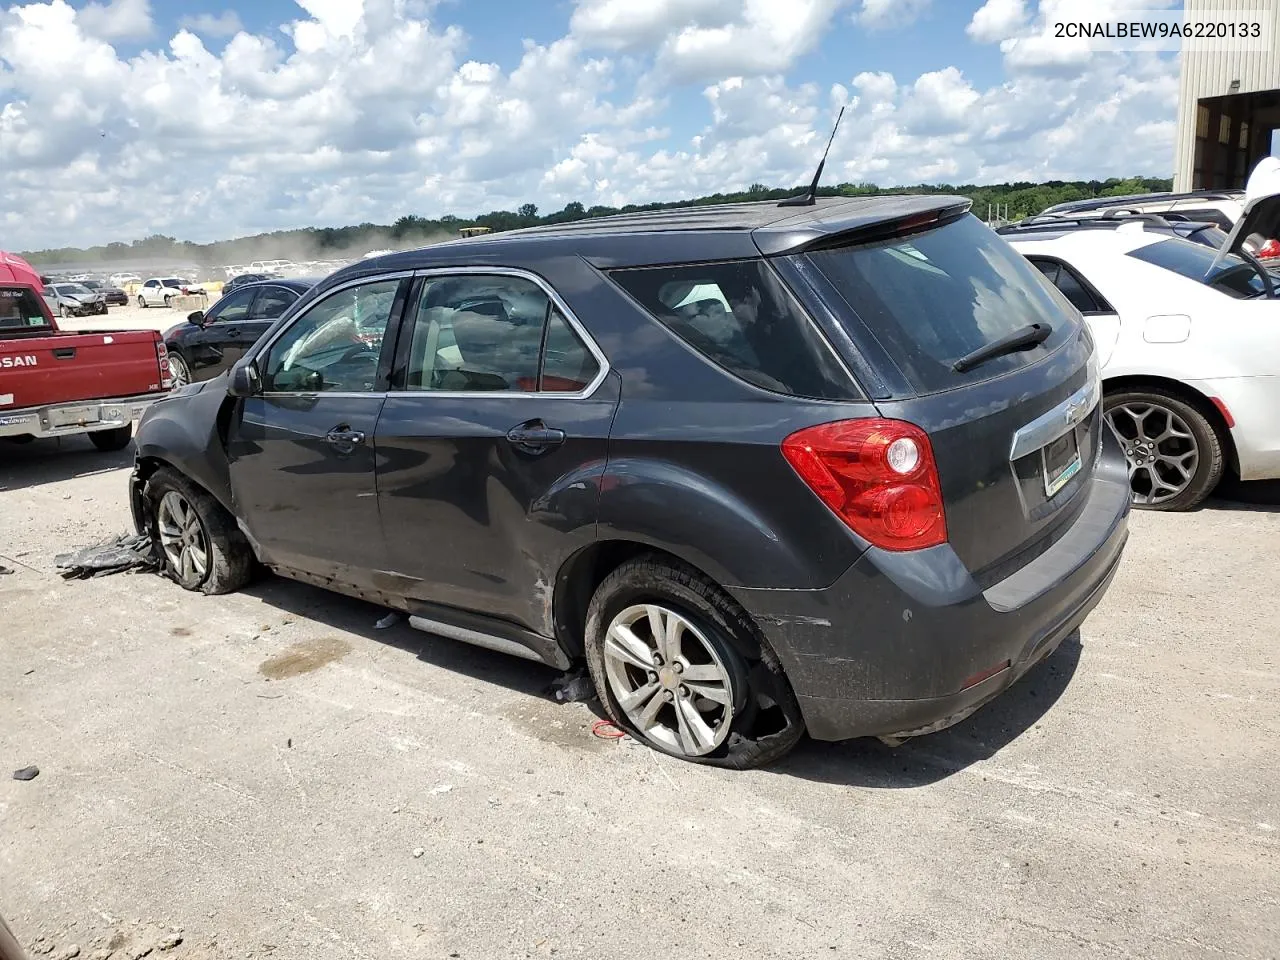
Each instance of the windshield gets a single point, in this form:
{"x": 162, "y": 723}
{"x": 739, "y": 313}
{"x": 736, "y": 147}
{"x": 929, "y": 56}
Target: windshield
{"x": 72, "y": 290}
{"x": 931, "y": 298}
{"x": 173, "y": 282}
{"x": 1235, "y": 277}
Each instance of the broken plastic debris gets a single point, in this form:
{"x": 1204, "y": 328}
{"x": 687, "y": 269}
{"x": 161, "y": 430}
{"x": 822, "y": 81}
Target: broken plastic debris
{"x": 26, "y": 773}
{"x": 443, "y": 788}
{"x": 573, "y": 687}
{"x": 390, "y": 620}
{"x": 418, "y": 852}
{"x": 114, "y": 555}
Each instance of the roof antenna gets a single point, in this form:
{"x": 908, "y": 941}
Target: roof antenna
{"x": 809, "y": 198}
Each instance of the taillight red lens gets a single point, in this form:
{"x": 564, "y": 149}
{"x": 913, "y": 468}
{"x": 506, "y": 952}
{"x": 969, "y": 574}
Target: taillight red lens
{"x": 162, "y": 357}
{"x": 1269, "y": 250}
{"x": 877, "y": 475}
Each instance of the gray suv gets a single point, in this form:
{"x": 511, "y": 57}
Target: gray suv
{"x": 836, "y": 468}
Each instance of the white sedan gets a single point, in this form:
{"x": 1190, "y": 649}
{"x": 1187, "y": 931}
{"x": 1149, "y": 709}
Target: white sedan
{"x": 1189, "y": 342}
{"x": 158, "y": 291}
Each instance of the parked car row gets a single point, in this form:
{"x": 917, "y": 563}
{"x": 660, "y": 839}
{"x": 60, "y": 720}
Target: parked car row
{"x": 847, "y": 466}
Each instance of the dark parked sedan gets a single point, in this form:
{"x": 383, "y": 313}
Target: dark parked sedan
{"x": 207, "y": 344}
{"x": 839, "y": 468}
{"x": 114, "y": 296}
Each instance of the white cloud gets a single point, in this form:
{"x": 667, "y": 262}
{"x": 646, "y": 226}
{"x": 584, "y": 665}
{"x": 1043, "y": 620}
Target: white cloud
{"x": 118, "y": 19}
{"x": 368, "y": 110}
{"x": 997, "y": 20}
{"x": 631, "y": 25}
{"x": 702, "y": 40}
{"x": 225, "y": 24}
{"x": 885, "y": 14}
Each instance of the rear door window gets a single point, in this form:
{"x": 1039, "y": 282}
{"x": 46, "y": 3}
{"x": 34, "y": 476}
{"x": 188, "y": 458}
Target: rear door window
{"x": 930, "y": 298}
{"x": 740, "y": 316}
{"x": 271, "y": 303}
{"x": 20, "y": 309}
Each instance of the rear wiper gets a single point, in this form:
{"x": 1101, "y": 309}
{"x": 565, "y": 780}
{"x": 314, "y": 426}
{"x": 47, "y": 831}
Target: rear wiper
{"x": 1024, "y": 338}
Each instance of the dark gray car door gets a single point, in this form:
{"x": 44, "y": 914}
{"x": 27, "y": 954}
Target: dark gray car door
{"x": 491, "y": 448}
{"x": 302, "y": 452}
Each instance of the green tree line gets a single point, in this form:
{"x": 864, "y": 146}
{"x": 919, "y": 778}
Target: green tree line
{"x": 1023, "y": 199}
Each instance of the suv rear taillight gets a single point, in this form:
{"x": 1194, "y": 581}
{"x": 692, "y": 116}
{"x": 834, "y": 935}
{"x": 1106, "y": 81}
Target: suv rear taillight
{"x": 877, "y": 475}
{"x": 162, "y": 357}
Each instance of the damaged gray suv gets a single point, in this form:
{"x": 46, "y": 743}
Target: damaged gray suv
{"x": 764, "y": 469}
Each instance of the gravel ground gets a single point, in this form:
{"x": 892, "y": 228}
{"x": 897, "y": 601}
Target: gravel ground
{"x": 267, "y": 775}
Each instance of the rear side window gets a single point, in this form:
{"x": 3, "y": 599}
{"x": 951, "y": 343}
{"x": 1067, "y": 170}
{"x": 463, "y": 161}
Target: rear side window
{"x": 740, "y": 316}
{"x": 1072, "y": 287}
{"x": 20, "y": 309}
{"x": 931, "y": 298}
{"x": 494, "y": 334}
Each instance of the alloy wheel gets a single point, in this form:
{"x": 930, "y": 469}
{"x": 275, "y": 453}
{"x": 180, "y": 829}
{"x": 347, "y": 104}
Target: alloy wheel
{"x": 1161, "y": 449}
{"x": 668, "y": 679}
{"x": 182, "y": 536}
{"x": 178, "y": 371}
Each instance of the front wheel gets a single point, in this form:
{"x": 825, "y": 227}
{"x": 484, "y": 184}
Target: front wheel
{"x": 679, "y": 666}
{"x": 142, "y": 301}
{"x": 109, "y": 441}
{"x": 63, "y": 312}
{"x": 167, "y": 299}
{"x": 1174, "y": 452}
{"x": 179, "y": 372}
{"x": 202, "y": 548}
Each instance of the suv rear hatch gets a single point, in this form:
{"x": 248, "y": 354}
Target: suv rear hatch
{"x": 1015, "y": 435}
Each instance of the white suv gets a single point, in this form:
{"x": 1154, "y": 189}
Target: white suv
{"x": 158, "y": 291}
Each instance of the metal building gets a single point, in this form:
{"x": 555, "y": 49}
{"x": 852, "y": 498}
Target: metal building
{"x": 1228, "y": 106}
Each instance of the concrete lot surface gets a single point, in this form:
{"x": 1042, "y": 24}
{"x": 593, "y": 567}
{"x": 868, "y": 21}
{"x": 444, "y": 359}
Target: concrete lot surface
{"x": 267, "y": 775}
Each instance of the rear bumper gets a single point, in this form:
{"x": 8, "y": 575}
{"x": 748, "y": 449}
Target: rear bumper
{"x": 1254, "y": 404}
{"x": 67, "y": 419}
{"x": 908, "y": 643}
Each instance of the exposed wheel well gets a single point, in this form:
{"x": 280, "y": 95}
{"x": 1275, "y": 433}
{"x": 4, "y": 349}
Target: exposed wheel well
{"x": 1191, "y": 396}
{"x": 579, "y": 577}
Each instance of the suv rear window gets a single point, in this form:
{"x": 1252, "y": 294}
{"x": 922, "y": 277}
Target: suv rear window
{"x": 20, "y": 309}
{"x": 931, "y": 298}
{"x": 739, "y": 315}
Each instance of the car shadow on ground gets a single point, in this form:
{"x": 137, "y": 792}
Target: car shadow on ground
{"x": 1258, "y": 496}
{"x": 359, "y": 617}
{"x": 925, "y": 760}
{"x": 864, "y": 763}
{"x": 38, "y": 462}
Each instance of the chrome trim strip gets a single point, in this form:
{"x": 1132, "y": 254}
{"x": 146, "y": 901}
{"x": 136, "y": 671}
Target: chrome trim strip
{"x": 601, "y": 360}
{"x": 1052, "y": 424}
{"x": 488, "y": 641}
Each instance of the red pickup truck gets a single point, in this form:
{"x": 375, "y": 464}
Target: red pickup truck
{"x": 54, "y": 383}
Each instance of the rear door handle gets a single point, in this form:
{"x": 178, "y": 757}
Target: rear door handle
{"x": 534, "y": 436}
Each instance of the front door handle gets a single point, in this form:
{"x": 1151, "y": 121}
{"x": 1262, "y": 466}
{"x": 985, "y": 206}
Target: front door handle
{"x": 233, "y": 332}
{"x": 534, "y": 436}
{"x": 344, "y": 438}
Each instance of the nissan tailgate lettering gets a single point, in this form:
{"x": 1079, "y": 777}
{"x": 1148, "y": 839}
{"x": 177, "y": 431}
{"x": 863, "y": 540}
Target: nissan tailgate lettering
{"x": 25, "y": 360}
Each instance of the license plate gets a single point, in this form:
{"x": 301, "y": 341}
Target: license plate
{"x": 1061, "y": 460}
{"x": 71, "y": 416}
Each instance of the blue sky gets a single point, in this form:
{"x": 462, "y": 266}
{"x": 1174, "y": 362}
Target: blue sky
{"x": 199, "y": 119}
